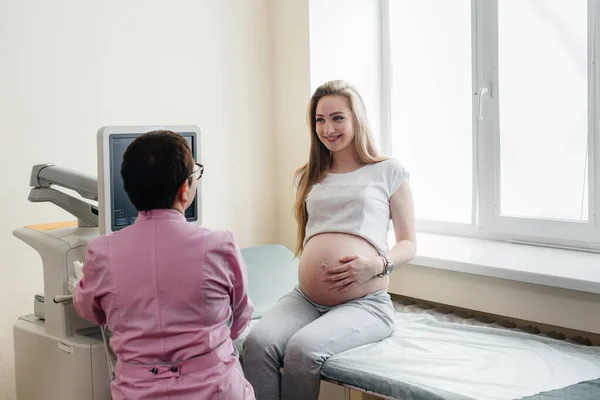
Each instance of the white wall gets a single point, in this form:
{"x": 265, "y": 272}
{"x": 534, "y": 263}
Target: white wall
{"x": 69, "y": 67}
{"x": 291, "y": 92}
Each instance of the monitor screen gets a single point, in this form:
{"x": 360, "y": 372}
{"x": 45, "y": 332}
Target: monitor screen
{"x": 123, "y": 213}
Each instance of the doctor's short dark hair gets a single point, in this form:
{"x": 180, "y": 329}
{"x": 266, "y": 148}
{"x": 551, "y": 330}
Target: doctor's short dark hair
{"x": 154, "y": 167}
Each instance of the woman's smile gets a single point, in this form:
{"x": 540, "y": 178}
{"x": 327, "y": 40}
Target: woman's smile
{"x": 332, "y": 138}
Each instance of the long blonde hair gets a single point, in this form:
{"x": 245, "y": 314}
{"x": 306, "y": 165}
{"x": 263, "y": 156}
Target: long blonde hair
{"x": 319, "y": 159}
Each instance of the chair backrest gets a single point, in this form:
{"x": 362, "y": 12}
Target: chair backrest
{"x": 272, "y": 272}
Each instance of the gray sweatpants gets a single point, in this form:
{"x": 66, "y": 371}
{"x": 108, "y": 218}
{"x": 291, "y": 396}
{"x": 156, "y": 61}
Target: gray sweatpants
{"x": 302, "y": 334}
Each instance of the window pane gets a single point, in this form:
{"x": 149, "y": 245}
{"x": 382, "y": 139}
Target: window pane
{"x": 543, "y": 108}
{"x": 350, "y": 50}
{"x": 432, "y": 104}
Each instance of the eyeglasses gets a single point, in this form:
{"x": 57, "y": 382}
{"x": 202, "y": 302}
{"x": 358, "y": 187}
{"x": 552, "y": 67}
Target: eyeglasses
{"x": 198, "y": 171}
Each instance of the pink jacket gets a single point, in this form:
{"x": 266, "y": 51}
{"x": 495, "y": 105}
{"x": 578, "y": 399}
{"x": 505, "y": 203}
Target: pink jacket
{"x": 174, "y": 296}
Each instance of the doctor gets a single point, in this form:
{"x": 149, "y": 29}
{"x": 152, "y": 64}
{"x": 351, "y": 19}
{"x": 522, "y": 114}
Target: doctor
{"x": 173, "y": 294}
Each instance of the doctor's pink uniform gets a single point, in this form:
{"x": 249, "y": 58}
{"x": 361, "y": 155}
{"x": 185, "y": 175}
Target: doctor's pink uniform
{"x": 174, "y": 295}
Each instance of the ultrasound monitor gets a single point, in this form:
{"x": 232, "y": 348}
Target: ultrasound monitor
{"x": 115, "y": 210}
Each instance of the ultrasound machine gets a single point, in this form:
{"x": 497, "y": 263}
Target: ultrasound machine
{"x": 59, "y": 355}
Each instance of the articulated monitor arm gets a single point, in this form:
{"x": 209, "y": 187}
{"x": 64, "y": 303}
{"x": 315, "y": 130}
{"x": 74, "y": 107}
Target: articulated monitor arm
{"x": 43, "y": 176}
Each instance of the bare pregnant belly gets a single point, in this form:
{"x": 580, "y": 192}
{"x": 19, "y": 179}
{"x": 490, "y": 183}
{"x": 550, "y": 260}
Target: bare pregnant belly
{"x": 328, "y": 248}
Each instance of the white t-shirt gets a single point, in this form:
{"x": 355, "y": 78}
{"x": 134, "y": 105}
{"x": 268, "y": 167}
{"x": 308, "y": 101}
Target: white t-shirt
{"x": 356, "y": 202}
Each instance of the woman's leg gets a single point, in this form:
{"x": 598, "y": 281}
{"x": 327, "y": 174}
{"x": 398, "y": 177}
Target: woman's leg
{"x": 352, "y": 324}
{"x": 264, "y": 348}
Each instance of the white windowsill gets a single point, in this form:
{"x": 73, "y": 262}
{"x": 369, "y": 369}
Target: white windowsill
{"x": 559, "y": 268}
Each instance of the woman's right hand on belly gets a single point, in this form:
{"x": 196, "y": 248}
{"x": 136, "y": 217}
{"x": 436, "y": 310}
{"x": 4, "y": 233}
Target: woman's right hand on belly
{"x": 354, "y": 271}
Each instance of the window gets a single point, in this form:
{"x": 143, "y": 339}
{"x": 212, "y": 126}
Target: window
{"x": 542, "y": 50}
{"x": 490, "y": 104}
{"x": 431, "y": 104}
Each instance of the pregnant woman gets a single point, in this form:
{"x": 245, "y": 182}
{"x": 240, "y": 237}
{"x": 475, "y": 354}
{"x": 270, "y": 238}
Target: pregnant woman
{"x": 346, "y": 196}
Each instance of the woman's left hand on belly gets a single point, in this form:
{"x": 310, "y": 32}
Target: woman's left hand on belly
{"x": 354, "y": 271}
